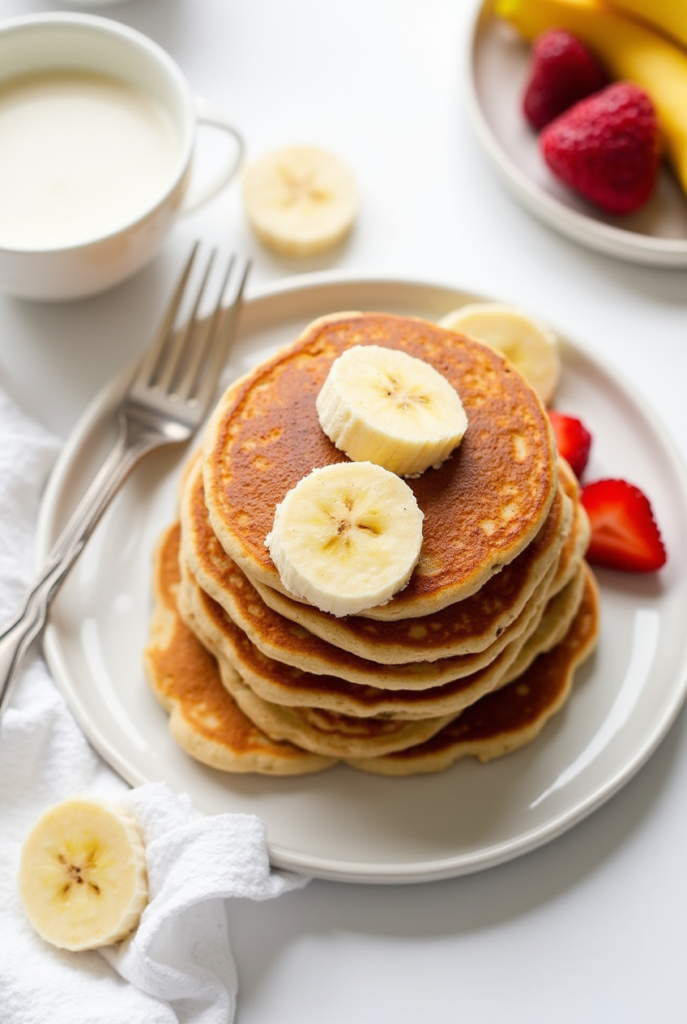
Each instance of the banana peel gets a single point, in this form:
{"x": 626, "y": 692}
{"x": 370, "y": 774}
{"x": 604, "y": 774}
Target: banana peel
{"x": 629, "y": 51}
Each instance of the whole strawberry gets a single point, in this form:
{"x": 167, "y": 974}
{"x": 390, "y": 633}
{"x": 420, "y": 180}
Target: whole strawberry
{"x": 606, "y": 147}
{"x": 562, "y": 71}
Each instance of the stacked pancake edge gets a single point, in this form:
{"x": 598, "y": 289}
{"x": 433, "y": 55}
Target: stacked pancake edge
{"x": 471, "y": 658}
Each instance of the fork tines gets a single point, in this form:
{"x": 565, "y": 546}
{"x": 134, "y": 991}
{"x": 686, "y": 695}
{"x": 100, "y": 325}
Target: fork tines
{"x": 191, "y": 346}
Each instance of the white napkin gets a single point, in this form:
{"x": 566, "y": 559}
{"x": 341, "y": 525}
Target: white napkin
{"x": 177, "y": 966}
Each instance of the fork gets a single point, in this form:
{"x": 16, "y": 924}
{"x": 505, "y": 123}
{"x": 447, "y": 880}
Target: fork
{"x": 167, "y": 398}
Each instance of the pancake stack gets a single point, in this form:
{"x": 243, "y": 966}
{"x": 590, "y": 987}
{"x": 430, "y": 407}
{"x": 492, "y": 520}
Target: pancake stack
{"x": 472, "y": 657}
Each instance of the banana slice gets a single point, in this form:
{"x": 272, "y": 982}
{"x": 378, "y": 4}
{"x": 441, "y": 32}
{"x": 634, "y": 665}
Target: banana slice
{"x": 82, "y": 876}
{"x": 381, "y": 405}
{"x": 300, "y": 200}
{"x": 346, "y": 537}
{"x": 531, "y": 346}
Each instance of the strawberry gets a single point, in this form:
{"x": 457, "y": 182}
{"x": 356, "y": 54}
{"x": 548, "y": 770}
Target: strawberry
{"x": 624, "y": 532}
{"x": 573, "y": 440}
{"x": 606, "y": 147}
{"x": 562, "y": 71}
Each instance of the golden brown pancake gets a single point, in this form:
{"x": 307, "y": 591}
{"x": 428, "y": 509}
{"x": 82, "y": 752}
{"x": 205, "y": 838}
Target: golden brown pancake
{"x": 482, "y": 507}
{"x": 277, "y": 639}
{"x": 474, "y": 629}
{"x": 577, "y": 541}
{"x": 279, "y": 683}
{"x": 320, "y": 730}
{"x": 205, "y": 720}
{"x": 509, "y": 718}
{"x": 558, "y": 616}
{"x": 472, "y": 658}
{"x": 328, "y": 732}
{"x": 208, "y": 723}
{"x": 484, "y": 622}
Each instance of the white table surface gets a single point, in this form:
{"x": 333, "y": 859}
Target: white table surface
{"x": 591, "y": 927}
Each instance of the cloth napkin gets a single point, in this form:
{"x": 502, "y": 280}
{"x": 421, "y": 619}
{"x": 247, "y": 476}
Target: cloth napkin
{"x": 177, "y": 966}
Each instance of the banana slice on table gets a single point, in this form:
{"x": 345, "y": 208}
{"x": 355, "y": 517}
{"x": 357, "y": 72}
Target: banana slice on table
{"x": 381, "y": 405}
{"x": 300, "y": 200}
{"x": 531, "y": 346}
{"x": 82, "y": 876}
{"x": 346, "y": 537}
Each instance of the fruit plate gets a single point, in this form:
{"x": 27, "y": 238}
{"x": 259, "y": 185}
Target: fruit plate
{"x": 497, "y": 65}
{"x": 342, "y": 824}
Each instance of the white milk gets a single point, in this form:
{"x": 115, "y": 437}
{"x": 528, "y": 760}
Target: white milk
{"x": 81, "y": 155}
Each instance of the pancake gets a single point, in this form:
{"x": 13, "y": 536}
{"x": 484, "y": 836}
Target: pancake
{"x": 477, "y": 624}
{"x": 288, "y": 642}
{"x": 277, "y": 639}
{"x": 327, "y": 732}
{"x": 209, "y": 724}
{"x": 558, "y": 616}
{"x": 205, "y": 720}
{"x": 577, "y": 541}
{"x": 509, "y": 718}
{"x": 316, "y": 729}
{"x": 279, "y": 683}
{"x": 482, "y": 506}
{"x": 474, "y": 629}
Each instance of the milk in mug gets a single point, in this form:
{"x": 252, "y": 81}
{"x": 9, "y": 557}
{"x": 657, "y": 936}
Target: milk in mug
{"x": 81, "y": 155}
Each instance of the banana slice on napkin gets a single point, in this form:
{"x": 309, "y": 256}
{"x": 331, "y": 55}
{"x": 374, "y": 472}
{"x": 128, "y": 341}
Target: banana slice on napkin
{"x": 82, "y": 876}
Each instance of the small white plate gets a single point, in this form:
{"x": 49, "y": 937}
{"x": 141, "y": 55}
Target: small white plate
{"x": 343, "y": 824}
{"x": 497, "y": 65}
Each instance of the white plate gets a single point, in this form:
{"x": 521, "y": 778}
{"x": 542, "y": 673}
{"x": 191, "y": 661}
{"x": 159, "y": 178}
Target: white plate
{"x": 497, "y": 65}
{"x": 343, "y": 824}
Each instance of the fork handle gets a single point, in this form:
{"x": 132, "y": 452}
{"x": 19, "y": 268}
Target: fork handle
{"x": 29, "y": 621}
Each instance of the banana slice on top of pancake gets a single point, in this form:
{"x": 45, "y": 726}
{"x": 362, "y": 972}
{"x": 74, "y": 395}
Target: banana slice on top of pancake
{"x": 346, "y": 537}
{"x": 300, "y": 200}
{"x": 530, "y": 345}
{"x": 384, "y": 406}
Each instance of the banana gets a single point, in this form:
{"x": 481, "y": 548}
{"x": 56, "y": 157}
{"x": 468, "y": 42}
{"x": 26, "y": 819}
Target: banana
{"x": 300, "y": 200}
{"x": 531, "y": 346}
{"x": 82, "y": 875}
{"x": 668, "y": 16}
{"x": 381, "y": 405}
{"x": 628, "y": 49}
{"x": 347, "y": 537}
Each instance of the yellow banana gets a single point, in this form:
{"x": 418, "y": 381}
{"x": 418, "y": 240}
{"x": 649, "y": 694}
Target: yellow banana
{"x": 669, "y": 16}
{"x": 629, "y": 50}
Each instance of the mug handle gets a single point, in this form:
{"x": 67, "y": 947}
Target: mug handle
{"x": 208, "y": 114}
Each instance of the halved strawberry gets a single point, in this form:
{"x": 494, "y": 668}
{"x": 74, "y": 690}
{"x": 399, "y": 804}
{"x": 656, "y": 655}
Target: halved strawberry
{"x": 625, "y": 534}
{"x": 573, "y": 440}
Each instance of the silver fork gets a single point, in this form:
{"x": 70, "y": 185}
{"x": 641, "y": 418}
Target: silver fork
{"x": 167, "y": 399}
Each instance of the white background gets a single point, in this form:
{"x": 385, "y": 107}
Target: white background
{"x": 589, "y": 928}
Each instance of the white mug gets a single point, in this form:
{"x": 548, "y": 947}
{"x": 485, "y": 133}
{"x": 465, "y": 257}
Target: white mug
{"x": 44, "y": 51}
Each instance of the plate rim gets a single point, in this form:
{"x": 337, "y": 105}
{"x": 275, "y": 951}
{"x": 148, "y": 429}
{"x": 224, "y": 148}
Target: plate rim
{"x": 594, "y": 234}
{"x": 330, "y": 868}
